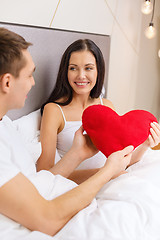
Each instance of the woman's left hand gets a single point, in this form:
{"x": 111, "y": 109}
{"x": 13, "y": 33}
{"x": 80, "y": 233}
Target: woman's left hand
{"x": 154, "y": 137}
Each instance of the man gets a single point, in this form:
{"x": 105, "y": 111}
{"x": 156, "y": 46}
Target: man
{"x": 23, "y": 191}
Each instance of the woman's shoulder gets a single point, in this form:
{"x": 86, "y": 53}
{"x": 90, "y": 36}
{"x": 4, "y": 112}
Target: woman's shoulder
{"x": 108, "y": 103}
{"x": 53, "y": 104}
{"x": 52, "y": 115}
{"x": 52, "y": 109}
{"x": 50, "y": 106}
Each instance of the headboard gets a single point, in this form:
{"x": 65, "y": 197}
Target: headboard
{"x": 48, "y": 47}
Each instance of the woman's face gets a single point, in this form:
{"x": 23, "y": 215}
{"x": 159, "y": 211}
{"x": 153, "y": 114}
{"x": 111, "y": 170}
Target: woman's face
{"x": 82, "y": 72}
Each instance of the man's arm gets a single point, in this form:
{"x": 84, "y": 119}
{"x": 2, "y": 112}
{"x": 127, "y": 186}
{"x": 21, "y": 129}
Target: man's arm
{"x": 20, "y": 200}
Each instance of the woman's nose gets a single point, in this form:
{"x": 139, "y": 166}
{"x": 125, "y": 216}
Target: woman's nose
{"x": 81, "y": 74}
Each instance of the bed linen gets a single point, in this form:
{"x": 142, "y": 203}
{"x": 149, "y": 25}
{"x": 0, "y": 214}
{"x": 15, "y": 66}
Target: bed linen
{"x": 126, "y": 208}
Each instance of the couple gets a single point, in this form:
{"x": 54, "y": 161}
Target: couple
{"x": 27, "y": 209}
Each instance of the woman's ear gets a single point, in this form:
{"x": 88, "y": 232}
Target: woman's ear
{"x": 5, "y": 82}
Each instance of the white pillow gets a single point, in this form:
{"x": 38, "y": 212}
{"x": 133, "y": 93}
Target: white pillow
{"x": 29, "y": 128}
{"x": 29, "y": 125}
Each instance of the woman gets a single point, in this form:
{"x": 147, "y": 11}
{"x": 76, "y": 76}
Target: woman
{"x": 79, "y": 85}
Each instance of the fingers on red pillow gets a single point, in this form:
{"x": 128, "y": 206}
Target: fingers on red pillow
{"x": 111, "y": 132}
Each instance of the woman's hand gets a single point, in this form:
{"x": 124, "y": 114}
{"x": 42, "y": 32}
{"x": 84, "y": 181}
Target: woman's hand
{"x": 83, "y": 145}
{"x": 154, "y": 137}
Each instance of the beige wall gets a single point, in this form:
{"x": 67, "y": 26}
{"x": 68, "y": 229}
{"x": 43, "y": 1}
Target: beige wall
{"x": 148, "y": 76}
{"x": 134, "y": 68}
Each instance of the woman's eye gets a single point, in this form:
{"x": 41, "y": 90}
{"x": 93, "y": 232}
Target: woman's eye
{"x": 72, "y": 68}
{"x": 89, "y": 68}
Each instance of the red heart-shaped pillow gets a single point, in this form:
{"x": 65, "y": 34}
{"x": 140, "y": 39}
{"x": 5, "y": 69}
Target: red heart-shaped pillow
{"x": 110, "y": 132}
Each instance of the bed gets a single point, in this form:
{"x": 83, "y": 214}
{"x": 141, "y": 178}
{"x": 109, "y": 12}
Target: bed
{"x": 128, "y": 207}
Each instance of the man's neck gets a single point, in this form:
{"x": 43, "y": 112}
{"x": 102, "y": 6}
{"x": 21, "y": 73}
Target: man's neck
{"x": 2, "y": 112}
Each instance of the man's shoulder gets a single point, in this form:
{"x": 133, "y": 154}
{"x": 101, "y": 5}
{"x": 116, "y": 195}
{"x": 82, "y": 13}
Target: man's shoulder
{"x": 7, "y": 128}
{"x": 6, "y": 120}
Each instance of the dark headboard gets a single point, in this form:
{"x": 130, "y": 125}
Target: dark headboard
{"x": 48, "y": 47}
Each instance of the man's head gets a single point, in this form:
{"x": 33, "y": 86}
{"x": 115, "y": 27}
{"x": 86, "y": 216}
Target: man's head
{"x": 16, "y": 69}
{"x": 11, "y": 57}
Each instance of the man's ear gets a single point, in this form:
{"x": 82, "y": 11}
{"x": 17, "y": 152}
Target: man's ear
{"x": 6, "y": 82}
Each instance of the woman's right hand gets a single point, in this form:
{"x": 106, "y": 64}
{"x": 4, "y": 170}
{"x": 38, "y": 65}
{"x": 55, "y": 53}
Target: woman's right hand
{"x": 118, "y": 161}
{"x": 83, "y": 145}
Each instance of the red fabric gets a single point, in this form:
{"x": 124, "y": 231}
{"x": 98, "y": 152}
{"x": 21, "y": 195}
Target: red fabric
{"x": 110, "y": 132}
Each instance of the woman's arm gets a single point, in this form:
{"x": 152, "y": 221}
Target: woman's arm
{"x": 82, "y": 148}
{"x": 51, "y": 124}
{"x": 80, "y": 176}
{"x": 152, "y": 141}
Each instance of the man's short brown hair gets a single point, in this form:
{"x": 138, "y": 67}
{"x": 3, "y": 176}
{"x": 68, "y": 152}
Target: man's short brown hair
{"x": 11, "y": 57}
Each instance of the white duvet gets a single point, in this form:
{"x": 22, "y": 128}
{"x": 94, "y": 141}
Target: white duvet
{"x": 127, "y": 208}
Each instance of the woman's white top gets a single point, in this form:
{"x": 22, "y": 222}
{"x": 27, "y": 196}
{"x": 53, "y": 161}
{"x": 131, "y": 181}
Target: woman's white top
{"x": 65, "y": 140}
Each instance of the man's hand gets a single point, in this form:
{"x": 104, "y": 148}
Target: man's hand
{"x": 118, "y": 161}
{"x": 83, "y": 145}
